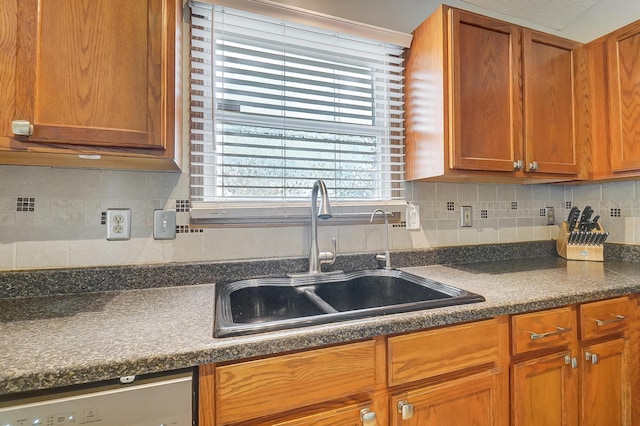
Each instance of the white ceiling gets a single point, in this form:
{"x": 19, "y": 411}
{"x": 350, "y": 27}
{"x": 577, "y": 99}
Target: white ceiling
{"x": 554, "y": 14}
{"x": 580, "y": 20}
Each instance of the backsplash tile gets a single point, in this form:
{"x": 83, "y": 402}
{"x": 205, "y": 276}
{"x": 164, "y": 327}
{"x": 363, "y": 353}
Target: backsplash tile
{"x": 25, "y": 204}
{"x": 53, "y": 218}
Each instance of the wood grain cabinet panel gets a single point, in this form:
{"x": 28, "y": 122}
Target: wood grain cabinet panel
{"x": 549, "y": 65}
{"x": 544, "y": 391}
{"x": 486, "y": 117}
{"x": 605, "y": 390}
{"x": 489, "y": 101}
{"x": 426, "y": 354}
{"x": 609, "y": 100}
{"x": 604, "y": 318}
{"x": 570, "y": 381}
{"x": 93, "y": 77}
{"x": 550, "y": 329}
{"x": 471, "y": 400}
{"x": 272, "y": 385}
{"x": 624, "y": 83}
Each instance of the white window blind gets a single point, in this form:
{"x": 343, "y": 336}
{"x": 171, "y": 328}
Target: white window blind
{"x": 277, "y": 105}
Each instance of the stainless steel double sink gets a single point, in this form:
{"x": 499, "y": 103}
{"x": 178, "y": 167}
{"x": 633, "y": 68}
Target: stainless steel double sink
{"x": 268, "y": 304}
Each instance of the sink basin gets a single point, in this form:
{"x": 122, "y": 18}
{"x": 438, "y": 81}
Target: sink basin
{"x": 268, "y": 304}
{"x": 260, "y": 304}
{"x": 372, "y": 291}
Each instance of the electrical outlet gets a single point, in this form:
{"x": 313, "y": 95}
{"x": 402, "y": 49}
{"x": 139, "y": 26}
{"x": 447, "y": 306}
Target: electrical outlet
{"x": 412, "y": 217}
{"x": 466, "y": 216}
{"x": 551, "y": 217}
{"x": 164, "y": 224}
{"x": 118, "y": 224}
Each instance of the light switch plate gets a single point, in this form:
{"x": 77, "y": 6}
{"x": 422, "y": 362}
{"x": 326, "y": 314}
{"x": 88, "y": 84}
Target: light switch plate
{"x": 164, "y": 224}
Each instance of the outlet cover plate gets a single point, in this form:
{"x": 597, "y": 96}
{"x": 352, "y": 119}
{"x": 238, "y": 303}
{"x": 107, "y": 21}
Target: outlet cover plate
{"x": 412, "y": 217}
{"x": 118, "y": 224}
{"x": 466, "y": 216}
{"x": 551, "y": 217}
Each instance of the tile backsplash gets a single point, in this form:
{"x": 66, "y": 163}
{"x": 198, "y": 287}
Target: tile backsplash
{"x": 52, "y": 218}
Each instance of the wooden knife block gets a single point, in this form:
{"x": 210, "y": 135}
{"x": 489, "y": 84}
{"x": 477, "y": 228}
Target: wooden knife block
{"x": 593, "y": 252}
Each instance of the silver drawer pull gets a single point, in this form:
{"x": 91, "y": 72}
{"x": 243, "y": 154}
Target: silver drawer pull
{"x": 560, "y": 330}
{"x": 617, "y": 318}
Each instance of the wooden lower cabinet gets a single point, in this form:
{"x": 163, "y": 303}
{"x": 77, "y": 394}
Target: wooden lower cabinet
{"x": 544, "y": 391}
{"x": 605, "y": 391}
{"x": 454, "y": 375}
{"x": 470, "y": 400}
{"x": 578, "y": 368}
{"x": 569, "y": 366}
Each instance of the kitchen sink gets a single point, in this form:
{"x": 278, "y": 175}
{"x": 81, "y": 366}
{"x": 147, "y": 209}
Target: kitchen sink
{"x": 268, "y": 304}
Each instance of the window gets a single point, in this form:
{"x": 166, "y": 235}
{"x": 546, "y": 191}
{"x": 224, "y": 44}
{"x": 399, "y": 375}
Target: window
{"x": 276, "y": 105}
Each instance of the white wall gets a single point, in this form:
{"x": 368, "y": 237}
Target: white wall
{"x": 406, "y": 15}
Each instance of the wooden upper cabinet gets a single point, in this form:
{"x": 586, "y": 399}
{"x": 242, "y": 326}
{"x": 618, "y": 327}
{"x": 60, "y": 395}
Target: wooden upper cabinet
{"x": 486, "y": 118}
{"x": 96, "y": 77}
{"x": 609, "y": 99}
{"x": 490, "y": 101}
{"x": 549, "y": 122}
{"x": 623, "y": 48}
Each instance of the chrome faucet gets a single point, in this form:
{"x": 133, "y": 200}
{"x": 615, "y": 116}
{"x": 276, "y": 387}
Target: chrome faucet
{"x": 316, "y": 257}
{"x": 386, "y": 256}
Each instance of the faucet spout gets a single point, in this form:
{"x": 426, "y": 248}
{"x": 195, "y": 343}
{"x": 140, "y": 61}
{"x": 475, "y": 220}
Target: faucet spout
{"x": 387, "y": 255}
{"x": 315, "y": 257}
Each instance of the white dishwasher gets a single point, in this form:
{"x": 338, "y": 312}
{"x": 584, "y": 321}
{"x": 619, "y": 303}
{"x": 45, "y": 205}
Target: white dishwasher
{"x": 147, "y": 401}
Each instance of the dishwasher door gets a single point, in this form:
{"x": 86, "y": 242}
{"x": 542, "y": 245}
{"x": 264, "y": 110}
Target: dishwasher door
{"x": 165, "y": 400}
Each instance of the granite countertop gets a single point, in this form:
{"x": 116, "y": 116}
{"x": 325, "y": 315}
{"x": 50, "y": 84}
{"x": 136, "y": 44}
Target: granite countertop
{"x": 69, "y": 339}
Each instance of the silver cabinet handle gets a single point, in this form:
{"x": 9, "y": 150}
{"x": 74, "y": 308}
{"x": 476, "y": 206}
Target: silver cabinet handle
{"x": 405, "y": 409}
{"x": 572, "y": 361}
{"x": 617, "y": 318}
{"x": 560, "y": 330}
{"x": 533, "y": 166}
{"x": 21, "y": 128}
{"x": 368, "y": 417}
{"x": 588, "y": 356}
{"x": 518, "y": 165}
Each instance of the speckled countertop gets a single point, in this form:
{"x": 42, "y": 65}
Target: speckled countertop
{"x": 69, "y": 339}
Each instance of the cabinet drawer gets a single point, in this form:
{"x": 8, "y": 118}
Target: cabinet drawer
{"x": 274, "y": 385}
{"x": 347, "y": 414}
{"x": 542, "y": 330}
{"x": 604, "y": 318}
{"x": 431, "y": 353}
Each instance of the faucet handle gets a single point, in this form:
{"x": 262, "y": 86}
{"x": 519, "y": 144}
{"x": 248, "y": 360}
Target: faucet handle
{"x": 329, "y": 257}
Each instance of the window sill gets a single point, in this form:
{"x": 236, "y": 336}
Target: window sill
{"x": 289, "y": 214}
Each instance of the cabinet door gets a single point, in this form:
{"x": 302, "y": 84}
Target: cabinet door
{"x": 606, "y": 385}
{"x": 543, "y": 391}
{"x": 472, "y": 400}
{"x": 95, "y": 72}
{"x": 624, "y": 84}
{"x": 549, "y": 138}
{"x": 486, "y": 116}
